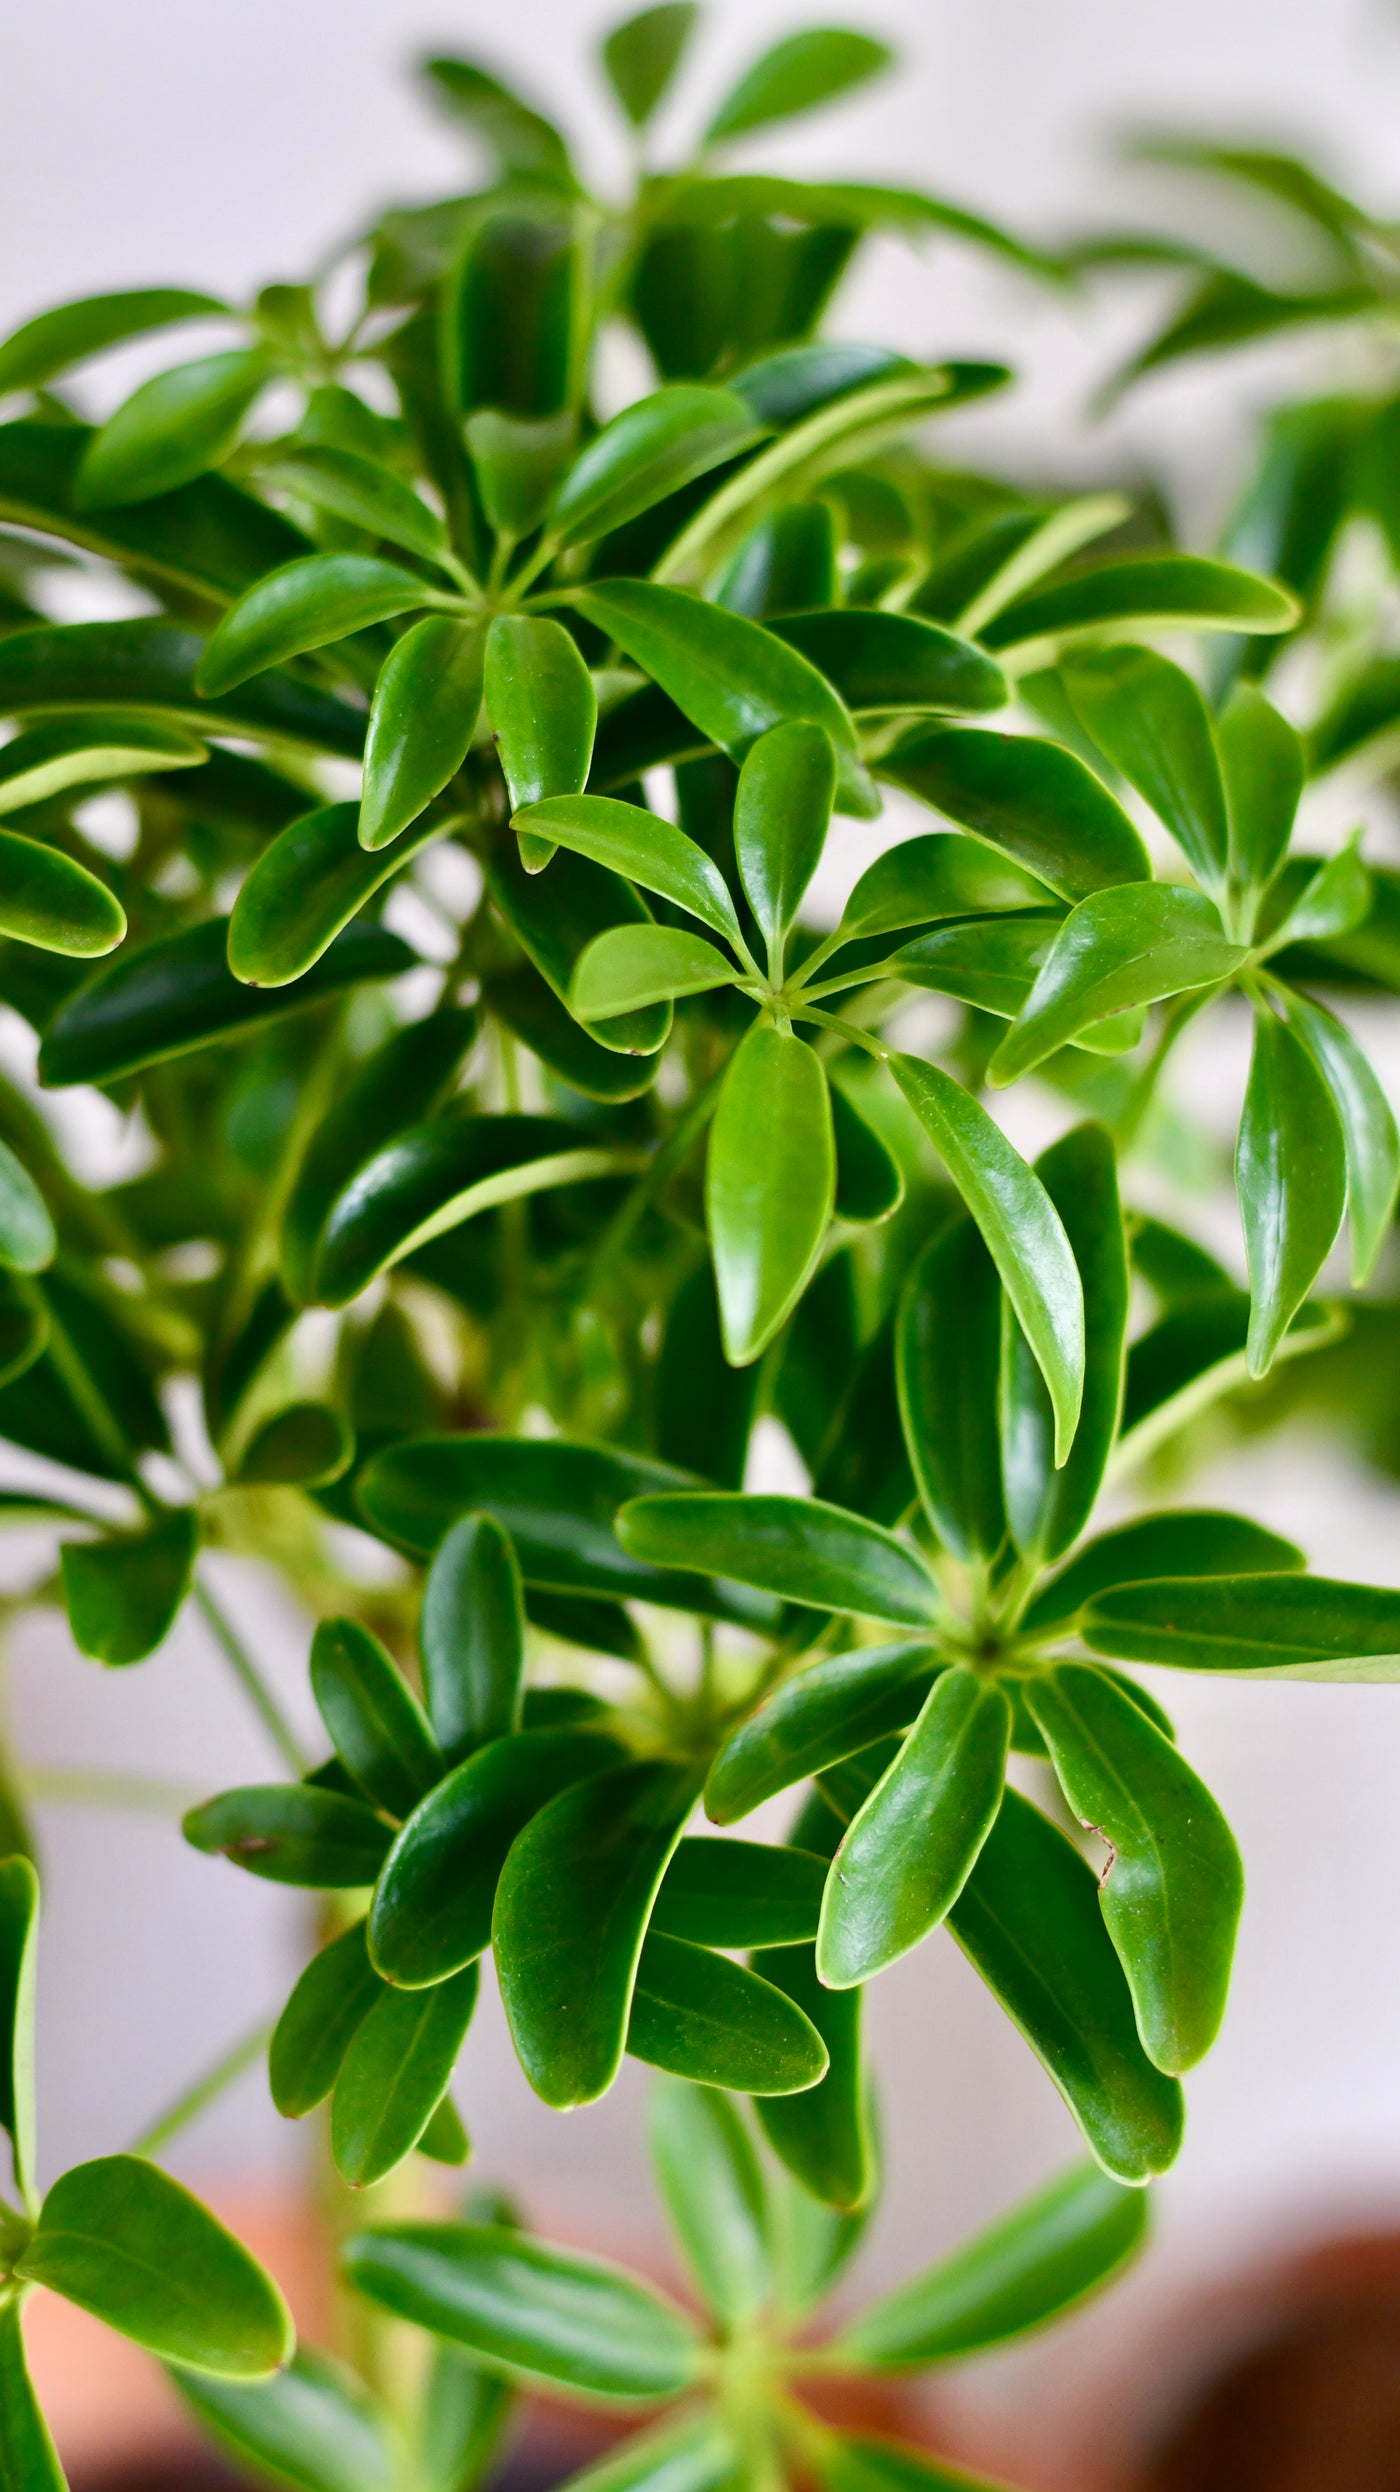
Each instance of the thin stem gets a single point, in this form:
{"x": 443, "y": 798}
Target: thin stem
{"x": 254, "y": 1686}
{"x": 844, "y": 1029}
{"x": 90, "y": 1787}
{"x": 854, "y": 977}
{"x": 205, "y": 2090}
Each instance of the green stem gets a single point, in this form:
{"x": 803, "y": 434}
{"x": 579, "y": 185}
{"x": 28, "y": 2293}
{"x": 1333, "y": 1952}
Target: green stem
{"x": 844, "y": 1029}
{"x": 205, "y": 2090}
{"x": 254, "y": 1686}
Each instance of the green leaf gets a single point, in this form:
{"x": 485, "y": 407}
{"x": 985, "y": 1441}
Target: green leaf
{"x": 1291, "y": 1175}
{"x": 306, "y": 1445}
{"x": 857, "y": 2462}
{"x": 518, "y": 460}
{"x": 713, "y": 2188}
{"x": 802, "y": 71}
{"x": 640, "y": 845}
{"x": 122, "y": 1594}
{"x": 1033, "y": 2263}
{"x": 522, "y": 140}
{"x": 705, "y": 2018}
{"x": 1369, "y": 1134}
{"x": 1152, "y": 723}
{"x": 1335, "y": 900}
{"x": 1022, "y": 1230}
{"x": 293, "y": 1833}
{"x": 992, "y": 964}
{"x": 890, "y": 663}
{"x": 303, "y": 890}
{"x": 732, "y": 678}
{"x": 73, "y": 752}
{"x": 360, "y": 490}
{"x": 787, "y": 565}
{"x": 1284, "y": 1625}
{"x": 948, "y": 1357}
{"x": 19, "y": 1948}
{"x": 781, "y": 815}
{"x": 377, "y": 1726}
{"x": 437, "y": 1175}
{"x": 770, "y": 1185}
{"x": 172, "y": 428}
{"x": 48, "y": 899}
{"x": 734, "y": 1894}
{"x": 1263, "y": 762}
{"x": 906, "y": 1855}
{"x": 1173, "y": 1890}
{"x": 445, "y": 2140}
{"x": 328, "y": 2004}
{"x": 1035, "y": 801}
{"x": 395, "y": 2072}
{"x": 149, "y": 663}
{"x": 642, "y": 55}
{"x": 823, "y": 2134}
{"x": 538, "y": 2313}
{"x": 814, "y": 2243}
{"x": 554, "y": 916}
{"x": 312, "y": 2429}
{"x": 571, "y": 1912}
{"x": 630, "y": 967}
{"x": 304, "y": 606}
{"x": 163, "y": 998}
{"x": 472, "y": 1637}
{"x": 527, "y": 1006}
{"x": 830, "y": 1710}
{"x": 28, "y": 2459}
{"x": 56, "y": 340}
{"x": 1189, "y": 1541}
{"x": 650, "y": 450}
{"x": 28, "y": 1242}
{"x": 432, "y": 1906}
{"x": 1048, "y": 1509}
{"x": 128, "y": 2244}
{"x": 1170, "y": 591}
{"x": 796, "y": 1547}
{"x": 544, "y": 715}
{"x": 421, "y": 724}
{"x": 869, "y": 1179}
{"x": 694, "y": 2456}
{"x": 1116, "y": 950}
{"x": 557, "y": 1497}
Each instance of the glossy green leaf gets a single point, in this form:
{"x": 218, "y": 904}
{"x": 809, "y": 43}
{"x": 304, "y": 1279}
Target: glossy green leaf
{"x": 538, "y": 2313}
{"x": 642, "y": 55}
{"x": 395, "y": 2072}
{"x": 304, "y": 606}
{"x": 445, "y": 2139}
{"x": 1369, "y": 1133}
{"x": 1286, "y": 1625}
{"x": 869, "y": 1179}
{"x": 1048, "y": 1509}
{"x": 650, "y": 450}
{"x": 555, "y": 915}
{"x": 48, "y": 899}
{"x": 814, "y": 2242}
{"x": 432, "y": 1906}
{"x": 894, "y": 663}
{"x": 178, "y": 992}
{"x": 148, "y": 662}
{"x": 906, "y": 1855}
{"x": 705, "y": 2018}
{"x": 990, "y": 963}
{"x": 19, "y": 1946}
{"x": 800, "y": 72}
{"x": 1172, "y": 1894}
{"x": 172, "y": 428}
{"x": 782, "y": 811}
{"x": 770, "y": 1185}
{"x": 293, "y": 1833}
{"x": 471, "y": 1634}
{"x": 56, "y": 340}
{"x": 1152, "y": 723}
{"x": 1029, "y": 1920}
{"x": 796, "y": 1547}
{"x": 313, "y": 2428}
{"x": 1334, "y": 900}
{"x": 1291, "y": 1175}
{"x": 837, "y": 1705}
{"x": 377, "y": 1726}
{"x": 306, "y": 1445}
{"x": 1021, "y": 1228}
{"x": 517, "y": 461}
{"x": 571, "y": 1912}
{"x": 734, "y": 1894}
{"x": 544, "y": 715}
{"x": 1117, "y": 949}
{"x": 302, "y": 891}
{"x": 630, "y": 967}
{"x": 122, "y": 1594}
{"x": 732, "y": 678}
{"x": 786, "y": 566}
{"x": 73, "y": 752}
{"x": 1188, "y": 1541}
{"x": 1263, "y": 762}
{"x": 948, "y": 1354}
{"x": 823, "y": 2134}
{"x": 421, "y": 724}
{"x": 358, "y": 489}
{"x": 28, "y": 2459}
{"x": 28, "y": 1241}
{"x": 714, "y": 2192}
{"x": 1180, "y": 591}
{"x": 641, "y": 846}
{"x": 1036, "y": 802}
{"x": 126, "y": 2242}
{"x": 328, "y": 2004}
{"x": 857, "y": 2462}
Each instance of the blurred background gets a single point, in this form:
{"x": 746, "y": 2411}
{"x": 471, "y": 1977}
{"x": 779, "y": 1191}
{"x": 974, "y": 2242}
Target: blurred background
{"x": 229, "y": 144}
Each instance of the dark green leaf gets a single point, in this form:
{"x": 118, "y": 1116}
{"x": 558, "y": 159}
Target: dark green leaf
{"x": 421, "y": 725}
{"x": 72, "y": 752}
{"x": 377, "y": 1726}
{"x": 631, "y": 967}
{"x": 642, "y": 55}
{"x": 1191, "y": 1541}
{"x": 734, "y": 1894}
{"x": 122, "y": 1594}
{"x": 948, "y": 1355}
{"x": 770, "y": 1184}
{"x": 304, "y": 606}
{"x": 869, "y": 1179}
{"x": 124, "y": 2241}
{"x": 709, "y": 2176}
{"x": 1334, "y": 900}
{"x": 786, "y": 566}
{"x": 694, "y": 2456}
{"x": 554, "y": 915}
{"x": 518, "y": 460}
{"x": 445, "y": 2139}
{"x": 307, "y": 1445}
{"x": 1285, "y": 1625}
{"x": 823, "y": 2134}
{"x": 56, "y": 340}
{"x": 650, "y": 450}
{"x": 1290, "y": 1171}
{"x": 1368, "y": 1129}
{"x": 312, "y": 2429}
{"x": 894, "y": 662}
{"x": 1116, "y": 950}
{"x": 358, "y": 489}
{"x": 833, "y": 1708}
{"x": 48, "y": 899}
{"x": 708, "y": 2020}
{"x": 527, "y": 1006}
{"x": 149, "y": 663}
{"x": 472, "y": 1637}
{"x": 293, "y": 1833}
{"x": 302, "y": 891}
{"x": 1035, "y": 801}
{"x": 27, "y": 1239}
{"x": 1180, "y": 591}
{"x": 1152, "y": 723}
{"x": 28, "y": 2459}
{"x": 395, "y": 2072}
{"x": 313, "y": 2033}
{"x": 1263, "y": 762}
{"x": 781, "y": 815}
{"x": 798, "y": 73}
{"x": 172, "y": 428}
{"x": 19, "y": 1944}
{"x": 1048, "y": 1509}
{"x": 796, "y": 1547}
{"x": 640, "y": 845}
{"x": 543, "y": 712}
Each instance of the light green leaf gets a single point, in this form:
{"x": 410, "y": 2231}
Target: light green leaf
{"x": 1285, "y": 1625}
{"x": 856, "y": 2462}
{"x": 1368, "y": 1128}
{"x": 705, "y": 2018}
{"x": 800, "y": 72}
{"x": 421, "y": 724}
{"x": 28, "y": 2459}
{"x": 172, "y": 428}
{"x": 305, "y": 887}
{"x": 544, "y": 715}
{"x": 19, "y": 1948}
{"x": 122, "y": 1594}
{"x": 56, "y": 340}
{"x": 358, "y": 489}
{"x": 1291, "y": 1176}
{"x": 1150, "y": 720}
{"x": 72, "y": 752}
{"x": 941, "y": 874}
{"x": 1335, "y": 901}
{"x": 650, "y": 450}
{"x": 518, "y": 460}
{"x": 641, "y": 845}
{"x": 305, "y": 605}
{"x": 1116, "y": 950}
{"x": 797, "y": 1547}
{"x": 48, "y": 899}
{"x": 642, "y": 55}
{"x": 629, "y": 967}
{"x": 1048, "y": 1508}
{"x": 28, "y": 1242}
{"x": 1170, "y": 591}
{"x": 770, "y": 1185}
{"x": 471, "y": 1635}
{"x": 1188, "y": 1541}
